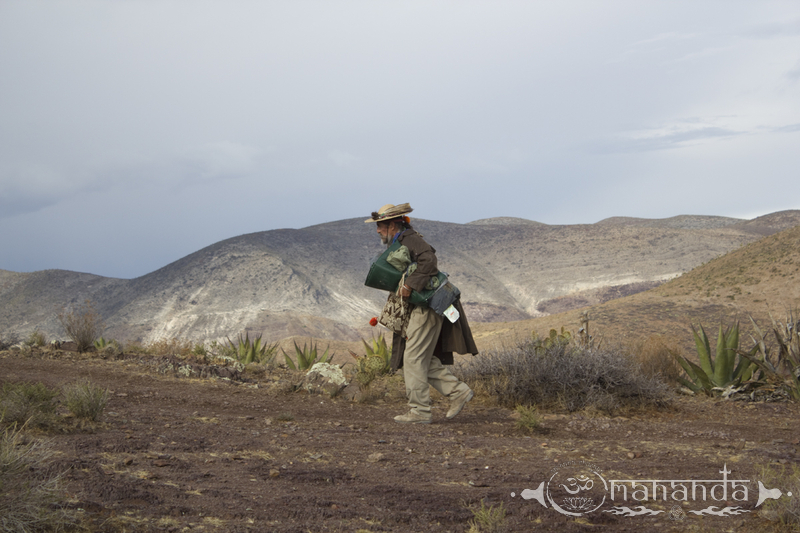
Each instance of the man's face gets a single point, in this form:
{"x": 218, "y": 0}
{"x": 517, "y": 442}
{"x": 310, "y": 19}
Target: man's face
{"x": 386, "y": 231}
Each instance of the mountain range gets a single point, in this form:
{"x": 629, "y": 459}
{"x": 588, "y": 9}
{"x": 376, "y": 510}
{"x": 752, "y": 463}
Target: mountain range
{"x": 309, "y": 282}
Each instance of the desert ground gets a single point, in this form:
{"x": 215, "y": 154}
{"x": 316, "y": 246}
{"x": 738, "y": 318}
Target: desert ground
{"x": 174, "y": 453}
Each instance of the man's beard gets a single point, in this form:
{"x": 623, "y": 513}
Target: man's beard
{"x": 385, "y": 239}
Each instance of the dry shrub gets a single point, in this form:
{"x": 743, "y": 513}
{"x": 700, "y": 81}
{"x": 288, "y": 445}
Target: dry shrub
{"x": 173, "y": 346}
{"x": 30, "y": 492}
{"x": 656, "y": 356}
{"x": 82, "y": 324}
{"x": 85, "y": 400}
{"x": 30, "y": 404}
{"x": 564, "y": 377}
{"x": 8, "y": 339}
{"x": 36, "y": 338}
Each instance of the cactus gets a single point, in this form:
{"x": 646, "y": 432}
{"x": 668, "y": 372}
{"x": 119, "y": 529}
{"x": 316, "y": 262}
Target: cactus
{"x": 543, "y": 344}
{"x": 376, "y": 361}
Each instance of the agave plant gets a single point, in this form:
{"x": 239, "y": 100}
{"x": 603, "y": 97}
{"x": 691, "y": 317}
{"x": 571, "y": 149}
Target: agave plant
{"x": 718, "y": 373}
{"x": 247, "y": 352}
{"x": 307, "y": 357}
{"x": 783, "y": 368}
{"x": 101, "y": 343}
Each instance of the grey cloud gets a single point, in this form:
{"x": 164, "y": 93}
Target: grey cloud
{"x": 794, "y": 74}
{"x": 773, "y": 29}
{"x": 30, "y": 188}
{"x": 666, "y": 141}
{"x": 791, "y": 128}
{"x": 342, "y": 159}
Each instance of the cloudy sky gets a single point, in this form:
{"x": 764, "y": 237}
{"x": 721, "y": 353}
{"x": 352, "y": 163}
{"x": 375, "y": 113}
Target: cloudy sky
{"x": 133, "y": 133}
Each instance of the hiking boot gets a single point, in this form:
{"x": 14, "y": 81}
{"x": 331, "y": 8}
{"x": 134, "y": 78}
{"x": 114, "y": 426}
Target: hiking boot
{"x": 458, "y": 403}
{"x": 413, "y": 417}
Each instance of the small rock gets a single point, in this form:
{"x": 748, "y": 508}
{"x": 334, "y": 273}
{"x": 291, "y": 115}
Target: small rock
{"x": 375, "y": 457}
{"x": 274, "y": 472}
{"x": 324, "y": 378}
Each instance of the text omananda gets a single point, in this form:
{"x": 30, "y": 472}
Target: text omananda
{"x": 680, "y": 489}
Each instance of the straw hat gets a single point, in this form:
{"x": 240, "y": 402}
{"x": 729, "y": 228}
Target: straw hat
{"x": 389, "y": 212}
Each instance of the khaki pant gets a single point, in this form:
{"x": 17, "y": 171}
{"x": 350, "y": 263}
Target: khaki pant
{"x": 421, "y": 370}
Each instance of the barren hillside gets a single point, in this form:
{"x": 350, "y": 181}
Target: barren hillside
{"x": 757, "y": 279}
{"x": 309, "y": 282}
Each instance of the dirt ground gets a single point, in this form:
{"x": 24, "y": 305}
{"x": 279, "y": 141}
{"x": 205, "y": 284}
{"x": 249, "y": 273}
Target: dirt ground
{"x": 184, "y": 454}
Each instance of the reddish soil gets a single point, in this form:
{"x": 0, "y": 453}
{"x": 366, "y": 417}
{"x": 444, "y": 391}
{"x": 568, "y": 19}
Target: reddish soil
{"x": 183, "y": 454}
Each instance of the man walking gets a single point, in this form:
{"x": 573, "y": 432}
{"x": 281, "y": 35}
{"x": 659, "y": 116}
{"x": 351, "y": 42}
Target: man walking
{"x": 430, "y": 339}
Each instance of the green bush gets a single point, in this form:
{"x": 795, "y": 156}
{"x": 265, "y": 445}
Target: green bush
{"x": 307, "y": 357}
{"x": 29, "y": 492}
{"x": 86, "y": 401}
{"x": 200, "y": 350}
{"x": 560, "y": 376}
{"x": 82, "y": 324}
{"x": 528, "y": 420}
{"x": 30, "y": 404}
{"x": 36, "y": 338}
{"x": 489, "y": 519}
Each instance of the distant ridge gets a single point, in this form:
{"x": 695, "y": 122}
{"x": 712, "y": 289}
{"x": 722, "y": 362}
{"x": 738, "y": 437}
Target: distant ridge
{"x": 505, "y": 221}
{"x": 681, "y": 222}
{"x": 309, "y": 282}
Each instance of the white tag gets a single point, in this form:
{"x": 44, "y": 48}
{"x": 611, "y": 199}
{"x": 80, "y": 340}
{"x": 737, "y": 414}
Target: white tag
{"x": 452, "y": 314}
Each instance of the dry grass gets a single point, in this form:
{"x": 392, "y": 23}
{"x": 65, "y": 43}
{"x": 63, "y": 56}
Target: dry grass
{"x": 85, "y": 400}
{"x": 786, "y": 509}
{"x": 656, "y": 357}
{"x": 174, "y": 346}
{"x": 30, "y": 492}
{"x": 30, "y": 404}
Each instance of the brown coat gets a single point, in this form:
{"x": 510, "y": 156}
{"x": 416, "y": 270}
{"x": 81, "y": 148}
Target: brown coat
{"x": 453, "y": 337}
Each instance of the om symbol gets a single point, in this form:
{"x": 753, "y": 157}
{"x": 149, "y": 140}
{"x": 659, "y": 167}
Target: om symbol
{"x": 576, "y": 485}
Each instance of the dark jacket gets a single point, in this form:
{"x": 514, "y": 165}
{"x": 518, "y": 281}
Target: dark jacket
{"x": 453, "y": 337}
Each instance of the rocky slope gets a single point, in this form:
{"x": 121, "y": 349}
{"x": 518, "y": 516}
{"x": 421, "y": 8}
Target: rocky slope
{"x": 309, "y": 282}
{"x": 760, "y": 279}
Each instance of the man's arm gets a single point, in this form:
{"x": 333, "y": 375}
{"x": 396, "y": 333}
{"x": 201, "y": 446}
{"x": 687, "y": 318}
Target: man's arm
{"x": 425, "y": 256}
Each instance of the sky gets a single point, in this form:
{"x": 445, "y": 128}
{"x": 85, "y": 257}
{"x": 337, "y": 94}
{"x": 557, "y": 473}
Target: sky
{"x": 135, "y": 132}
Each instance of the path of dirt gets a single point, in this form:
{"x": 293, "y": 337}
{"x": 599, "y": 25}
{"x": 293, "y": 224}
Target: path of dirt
{"x": 180, "y": 454}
